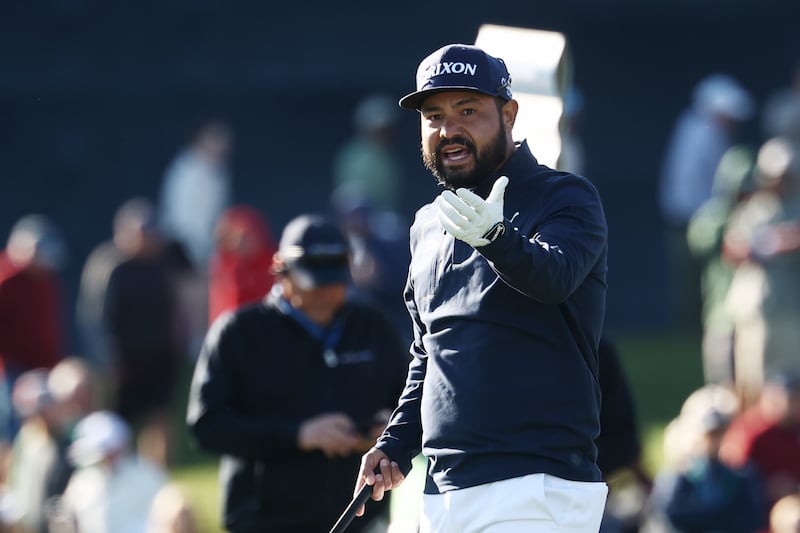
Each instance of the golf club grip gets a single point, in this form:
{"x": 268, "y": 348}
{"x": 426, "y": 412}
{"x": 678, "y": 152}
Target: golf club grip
{"x": 350, "y": 512}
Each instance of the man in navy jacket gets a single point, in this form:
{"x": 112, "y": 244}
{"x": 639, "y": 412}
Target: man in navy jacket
{"x": 293, "y": 389}
{"x": 506, "y": 292}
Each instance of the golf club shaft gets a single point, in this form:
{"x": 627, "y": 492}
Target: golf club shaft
{"x": 350, "y": 512}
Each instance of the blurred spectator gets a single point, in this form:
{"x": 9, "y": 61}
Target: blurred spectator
{"x": 679, "y": 435}
{"x": 365, "y": 166}
{"x": 781, "y": 115}
{"x": 91, "y": 295}
{"x": 32, "y": 317}
{"x": 619, "y": 446}
{"x": 312, "y": 422}
{"x": 145, "y": 327}
{"x": 732, "y": 185}
{"x": 784, "y": 517}
{"x": 767, "y": 436}
{"x": 74, "y": 386}
{"x": 171, "y": 512}
{"x": 380, "y": 255}
{"x": 112, "y": 489}
{"x": 133, "y": 219}
{"x": 196, "y": 190}
{"x": 572, "y": 157}
{"x": 240, "y": 267}
{"x": 39, "y": 467}
{"x": 700, "y": 137}
{"x": 697, "y": 492}
{"x": 763, "y": 242}
{"x": 8, "y": 426}
{"x": 32, "y": 325}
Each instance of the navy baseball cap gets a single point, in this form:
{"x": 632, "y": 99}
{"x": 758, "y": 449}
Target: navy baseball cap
{"x": 315, "y": 251}
{"x": 459, "y": 67}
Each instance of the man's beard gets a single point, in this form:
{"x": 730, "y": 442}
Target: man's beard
{"x": 486, "y": 162}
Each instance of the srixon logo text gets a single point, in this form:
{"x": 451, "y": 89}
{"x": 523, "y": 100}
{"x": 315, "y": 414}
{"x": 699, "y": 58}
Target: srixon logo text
{"x": 450, "y": 68}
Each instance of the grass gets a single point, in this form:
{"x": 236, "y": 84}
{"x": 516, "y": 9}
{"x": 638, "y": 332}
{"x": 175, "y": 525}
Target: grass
{"x": 198, "y": 481}
{"x": 194, "y": 471}
{"x": 662, "y": 368}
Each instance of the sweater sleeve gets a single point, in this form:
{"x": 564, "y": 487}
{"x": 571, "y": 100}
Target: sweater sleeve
{"x": 402, "y": 439}
{"x": 213, "y": 417}
{"x": 549, "y": 261}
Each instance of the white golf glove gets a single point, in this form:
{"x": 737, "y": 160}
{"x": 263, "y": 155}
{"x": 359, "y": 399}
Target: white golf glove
{"x": 469, "y": 218}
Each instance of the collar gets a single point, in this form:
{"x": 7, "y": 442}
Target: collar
{"x": 328, "y": 336}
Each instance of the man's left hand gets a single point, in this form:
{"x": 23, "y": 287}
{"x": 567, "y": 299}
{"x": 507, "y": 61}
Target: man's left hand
{"x": 468, "y": 217}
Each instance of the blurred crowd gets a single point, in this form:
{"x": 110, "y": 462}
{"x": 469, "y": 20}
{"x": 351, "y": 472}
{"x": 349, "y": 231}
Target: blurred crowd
{"x": 731, "y": 211}
{"x": 87, "y": 439}
{"x": 732, "y": 217}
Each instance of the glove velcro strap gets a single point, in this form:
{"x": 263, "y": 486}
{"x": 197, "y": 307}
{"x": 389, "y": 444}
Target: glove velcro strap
{"x": 495, "y": 231}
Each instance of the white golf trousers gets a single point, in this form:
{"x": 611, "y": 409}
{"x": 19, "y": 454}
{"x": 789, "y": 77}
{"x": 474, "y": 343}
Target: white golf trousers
{"x": 536, "y": 503}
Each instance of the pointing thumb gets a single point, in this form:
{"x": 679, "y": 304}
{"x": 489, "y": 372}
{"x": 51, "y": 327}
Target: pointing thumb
{"x": 498, "y": 190}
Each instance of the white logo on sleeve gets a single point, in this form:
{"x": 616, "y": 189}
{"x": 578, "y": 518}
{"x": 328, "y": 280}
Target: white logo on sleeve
{"x": 546, "y": 246}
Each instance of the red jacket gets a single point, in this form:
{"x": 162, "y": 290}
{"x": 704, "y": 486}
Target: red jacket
{"x": 31, "y": 323}
{"x": 774, "y": 450}
{"x": 240, "y": 267}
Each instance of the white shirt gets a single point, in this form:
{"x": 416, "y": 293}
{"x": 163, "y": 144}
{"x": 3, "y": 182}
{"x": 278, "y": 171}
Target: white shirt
{"x": 103, "y": 499}
{"x": 195, "y": 192}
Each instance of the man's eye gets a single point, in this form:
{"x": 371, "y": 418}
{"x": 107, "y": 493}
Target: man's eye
{"x": 434, "y": 117}
{"x": 467, "y": 111}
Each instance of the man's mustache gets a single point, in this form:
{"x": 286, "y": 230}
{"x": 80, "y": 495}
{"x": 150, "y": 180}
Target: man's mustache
{"x": 455, "y": 140}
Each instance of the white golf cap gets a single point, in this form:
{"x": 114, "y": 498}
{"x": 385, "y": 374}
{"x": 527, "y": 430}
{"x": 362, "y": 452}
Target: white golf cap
{"x": 722, "y": 94}
{"x": 97, "y": 436}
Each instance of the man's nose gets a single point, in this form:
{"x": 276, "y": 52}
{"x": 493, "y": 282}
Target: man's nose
{"x": 450, "y": 127}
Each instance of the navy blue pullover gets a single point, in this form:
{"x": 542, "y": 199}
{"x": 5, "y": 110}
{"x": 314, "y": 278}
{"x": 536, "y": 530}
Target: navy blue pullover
{"x": 504, "y": 379}
{"x": 262, "y": 373}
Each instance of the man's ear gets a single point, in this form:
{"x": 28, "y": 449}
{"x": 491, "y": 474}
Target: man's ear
{"x": 509, "y": 115}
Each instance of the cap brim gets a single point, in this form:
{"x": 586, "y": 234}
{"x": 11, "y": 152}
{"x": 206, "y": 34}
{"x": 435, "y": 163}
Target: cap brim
{"x": 311, "y": 278}
{"x": 413, "y": 100}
